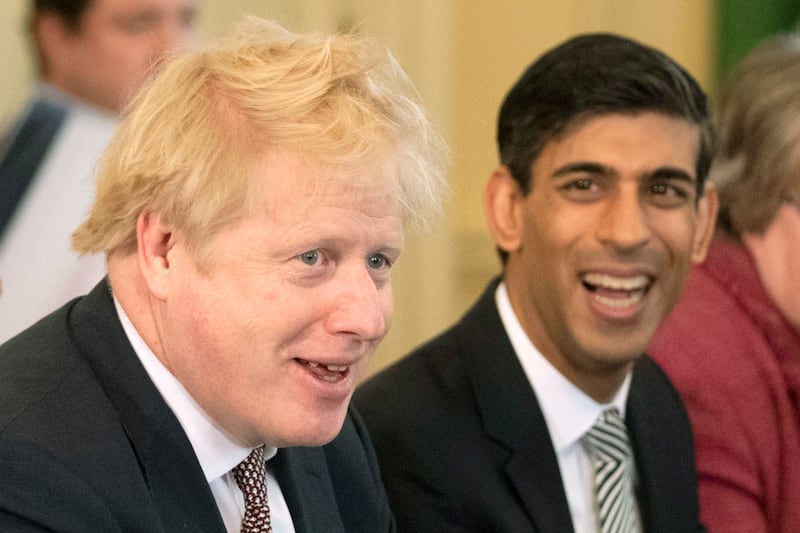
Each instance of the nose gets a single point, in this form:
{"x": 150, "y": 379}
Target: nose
{"x": 624, "y": 223}
{"x": 360, "y": 308}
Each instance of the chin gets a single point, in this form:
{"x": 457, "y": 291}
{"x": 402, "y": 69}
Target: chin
{"x": 314, "y": 430}
{"x": 316, "y": 437}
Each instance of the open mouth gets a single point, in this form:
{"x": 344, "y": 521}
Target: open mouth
{"x": 614, "y": 291}
{"x": 330, "y": 373}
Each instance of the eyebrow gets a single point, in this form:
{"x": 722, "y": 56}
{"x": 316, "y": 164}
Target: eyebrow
{"x": 671, "y": 173}
{"x": 582, "y": 166}
{"x": 664, "y": 173}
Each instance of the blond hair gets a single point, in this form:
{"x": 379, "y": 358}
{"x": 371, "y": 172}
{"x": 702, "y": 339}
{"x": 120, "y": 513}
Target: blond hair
{"x": 188, "y": 144}
{"x": 757, "y": 167}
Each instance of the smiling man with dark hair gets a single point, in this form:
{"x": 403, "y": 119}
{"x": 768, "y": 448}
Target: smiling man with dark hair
{"x": 538, "y": 410}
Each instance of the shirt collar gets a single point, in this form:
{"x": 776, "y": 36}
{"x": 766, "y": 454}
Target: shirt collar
{"x": 54, "y": 95}
{"x": 568, "y": 411}
{"x": 216, "y": 451}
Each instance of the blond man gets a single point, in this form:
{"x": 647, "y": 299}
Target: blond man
{"x": 250, "y": 207}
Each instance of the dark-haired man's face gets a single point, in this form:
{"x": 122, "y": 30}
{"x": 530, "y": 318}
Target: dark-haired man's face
{"x": 601, "y": 245}
{"x": 107, "y": 57}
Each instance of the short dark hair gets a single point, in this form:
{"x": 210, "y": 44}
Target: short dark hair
{"x": 70, "y": 10}
{"x": 591, "y": 75}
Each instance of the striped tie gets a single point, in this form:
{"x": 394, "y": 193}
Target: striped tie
{"x": 608, "y": 446}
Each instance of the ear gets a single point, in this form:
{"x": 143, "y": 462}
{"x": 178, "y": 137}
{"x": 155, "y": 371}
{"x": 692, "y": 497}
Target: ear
{"x": 504, "y": 209}
{"x": 154, "y": 242}
{"x": 706, "y": 221}
{"x": 52, "y": 37}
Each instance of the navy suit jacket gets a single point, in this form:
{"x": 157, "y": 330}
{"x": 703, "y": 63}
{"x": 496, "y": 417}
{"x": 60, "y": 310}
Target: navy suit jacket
{"x": 88, "y": 444}
{"x": 464, "y": 447}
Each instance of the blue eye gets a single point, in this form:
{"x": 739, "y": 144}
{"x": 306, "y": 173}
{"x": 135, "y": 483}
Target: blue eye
{"x": 310, "y": 257}
{"x": 377, "y": 261}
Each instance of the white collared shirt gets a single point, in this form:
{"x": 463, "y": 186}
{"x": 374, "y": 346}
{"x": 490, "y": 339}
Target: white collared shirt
{"x": 216, "y": 451}
{"x": 38, "y": 269}
{"x": 569, "y": 413}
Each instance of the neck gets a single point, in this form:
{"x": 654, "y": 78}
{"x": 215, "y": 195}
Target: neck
{"x": 131, "y": 291}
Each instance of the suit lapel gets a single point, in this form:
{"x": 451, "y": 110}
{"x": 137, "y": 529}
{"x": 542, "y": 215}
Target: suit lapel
{"x": 305, "y": 482}
{"x": 659, "y": 436}
{"x": 499, "y": 383}
{"x": 179, "y": 490}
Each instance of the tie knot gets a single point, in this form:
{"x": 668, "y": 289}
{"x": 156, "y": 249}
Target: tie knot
{"x": 250, "y": 475}
{"x": 607, "y": 440}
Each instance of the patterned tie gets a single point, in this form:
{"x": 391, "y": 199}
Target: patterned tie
{"x": 608, "y": 445}
{"x": 250, "y": 476}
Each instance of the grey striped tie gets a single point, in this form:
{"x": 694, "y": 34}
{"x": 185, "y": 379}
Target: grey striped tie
{"x": 608, "y": 445}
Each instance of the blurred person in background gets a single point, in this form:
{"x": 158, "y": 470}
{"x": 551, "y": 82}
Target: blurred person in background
{"x": 92, "y": 55}
{"x": 732, "y": 344}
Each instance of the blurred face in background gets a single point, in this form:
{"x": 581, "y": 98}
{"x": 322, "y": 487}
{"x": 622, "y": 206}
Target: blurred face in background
{"x": 105, "y": 59}
{"x": 776, "y": 254}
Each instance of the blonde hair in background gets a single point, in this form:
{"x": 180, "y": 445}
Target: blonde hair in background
{"x": 189, "y": 143}
{"x": 757, "y": 167}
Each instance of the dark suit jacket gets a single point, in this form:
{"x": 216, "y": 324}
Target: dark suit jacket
{"x": 463, "y": 445}
{"x": 87, "y": 443}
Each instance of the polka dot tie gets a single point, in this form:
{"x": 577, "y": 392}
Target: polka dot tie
{"x": 608, "y": 445}
{"x": 251, "y": 476}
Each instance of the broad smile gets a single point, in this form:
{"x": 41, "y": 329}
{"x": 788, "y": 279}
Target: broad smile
{"x": 329, "y": 373}
{"x": 616, "y": 292}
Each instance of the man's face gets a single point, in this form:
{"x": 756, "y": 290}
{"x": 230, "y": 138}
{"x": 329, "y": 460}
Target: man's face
{"x": 273, "y": 340}
{"x": 105, "y": 60}
{"x": 601, "y": 245}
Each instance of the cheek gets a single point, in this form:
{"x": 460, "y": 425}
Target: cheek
{"x": 125, "y": 60}
{"x": 387, "y": 303}
{"x": 193, "y": 323}
{"x": 679, "y": 237}
{"x": 550, "y": 237}
{"x": 200, "y": 311}
{"x": 558, "y": 221}
{"x": 791, "y": 304}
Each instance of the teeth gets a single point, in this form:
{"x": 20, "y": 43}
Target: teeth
{"x": 329, "y": 378}
{"x": 619, "y": 303}
{"x": 329, "y": 368}
{"x": 611, "y": 282}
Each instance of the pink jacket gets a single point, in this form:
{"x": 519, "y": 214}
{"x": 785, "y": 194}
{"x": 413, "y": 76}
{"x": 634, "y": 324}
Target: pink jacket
{"x": 736, "y": 362}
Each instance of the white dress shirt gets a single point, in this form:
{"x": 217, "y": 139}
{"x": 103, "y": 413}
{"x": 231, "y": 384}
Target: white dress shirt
{"x": 216, "y": 451}
{"x": 569, "y": 413}
{"x": 39, "y": 270}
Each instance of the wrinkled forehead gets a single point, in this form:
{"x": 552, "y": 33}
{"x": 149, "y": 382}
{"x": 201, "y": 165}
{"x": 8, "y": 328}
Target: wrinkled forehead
{"x": 305, "y": 180}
